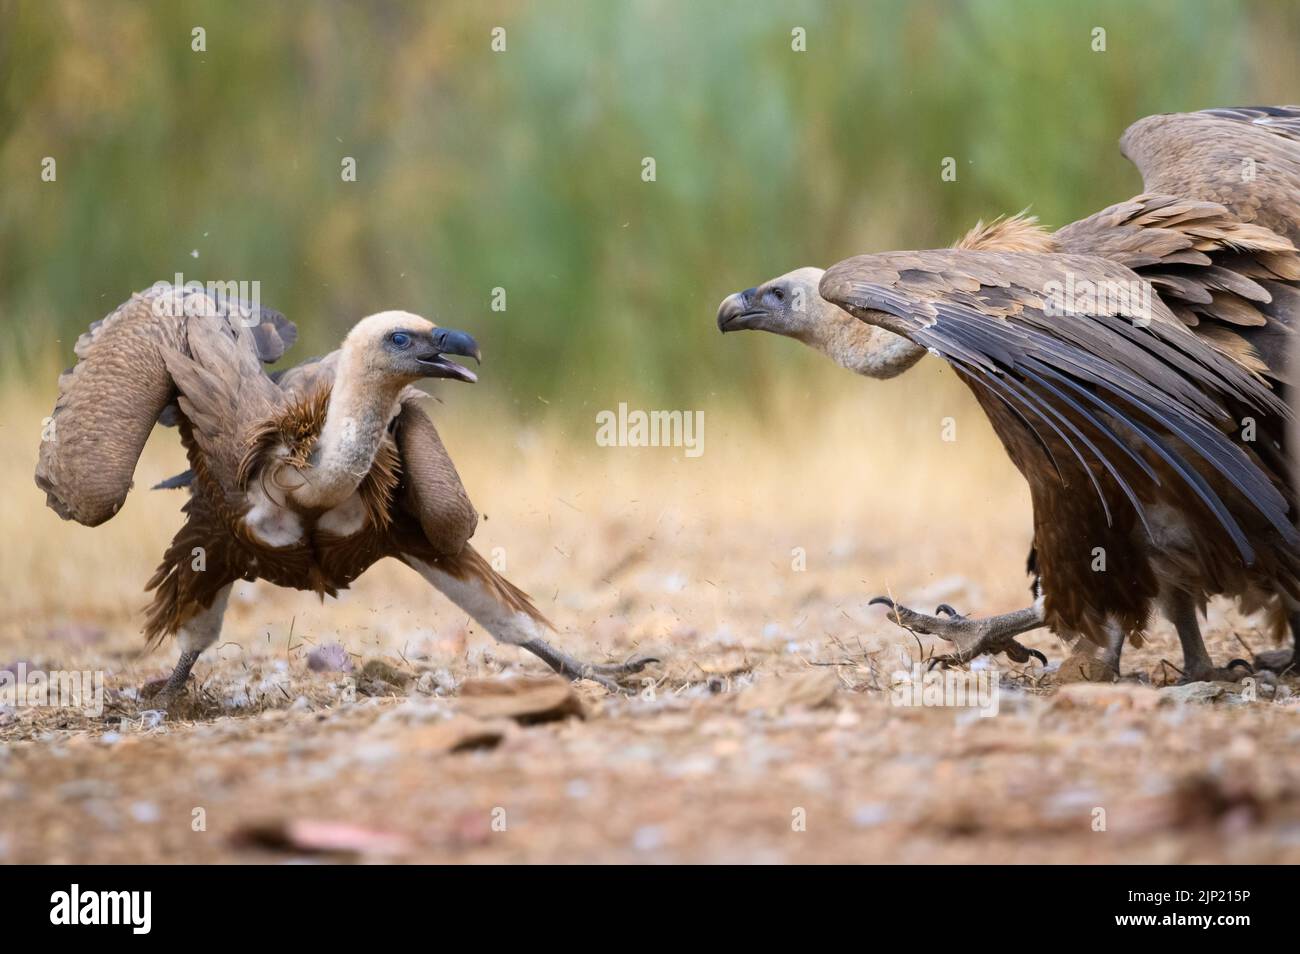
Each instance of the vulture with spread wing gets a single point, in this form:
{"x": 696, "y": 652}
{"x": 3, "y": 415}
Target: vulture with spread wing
{"x": 304, "y": 478}
{"x": 1134, "y": 366}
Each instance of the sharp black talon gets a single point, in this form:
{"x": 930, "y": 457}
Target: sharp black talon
{"x": 1037, "y": 655}
{"x": 945, "y": 608}
{"x": 1240, "y": 662}
{"x": 883, "y": 600}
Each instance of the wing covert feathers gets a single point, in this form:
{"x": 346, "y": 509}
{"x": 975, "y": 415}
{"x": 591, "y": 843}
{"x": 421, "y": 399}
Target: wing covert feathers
{"x": 120, "y": 387}
{"x": 107, "y": 405}
{"x": 432, "y": 491}
{"x": 1135, "y": 377}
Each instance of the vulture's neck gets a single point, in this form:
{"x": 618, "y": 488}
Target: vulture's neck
{"x": 358, "y": 415}
{"x": 862, "y": 348}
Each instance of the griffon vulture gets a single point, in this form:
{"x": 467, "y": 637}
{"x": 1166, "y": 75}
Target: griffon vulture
{"x": 304, "y": 478}
{"x": 1133, "y": 365}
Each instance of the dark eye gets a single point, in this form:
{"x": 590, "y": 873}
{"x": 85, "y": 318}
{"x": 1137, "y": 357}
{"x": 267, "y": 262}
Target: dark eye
{"x": 778, "y": 294}
{"x": 400, "y": 339}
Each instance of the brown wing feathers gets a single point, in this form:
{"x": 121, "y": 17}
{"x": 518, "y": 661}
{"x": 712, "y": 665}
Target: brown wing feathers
{"x": 1225, "y": 278}
{"x": 431, "y": 490}
{"x": 965, "y": 307}
{"x": 110, "y": 400}
{"x": 1245, "y": 159}
{"x": 107, "y": 405}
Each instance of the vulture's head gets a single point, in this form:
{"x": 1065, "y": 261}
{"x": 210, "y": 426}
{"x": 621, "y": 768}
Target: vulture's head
{"x": 400, "y": 347}
{"x": 788, "y": 305}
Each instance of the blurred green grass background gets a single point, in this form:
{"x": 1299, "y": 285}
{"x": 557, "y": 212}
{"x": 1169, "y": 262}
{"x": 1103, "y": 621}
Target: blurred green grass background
{"x": 522, "y": 169}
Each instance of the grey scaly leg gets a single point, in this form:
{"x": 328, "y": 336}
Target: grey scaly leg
{"x": 198, "y": 633}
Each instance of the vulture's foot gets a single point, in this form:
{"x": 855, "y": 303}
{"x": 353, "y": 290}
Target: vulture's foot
{"x": 973, "y": 637}
{"x": 1235, "y": 671}
{"x": 606, "y": 674}
{"x": 163, "y": 692}
{"x": 1280, "y": 661}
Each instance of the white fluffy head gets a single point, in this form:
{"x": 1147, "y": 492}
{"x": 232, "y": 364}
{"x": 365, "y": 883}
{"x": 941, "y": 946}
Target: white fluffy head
{"x": 375, "y": 328}
{"x": 399, "y": 347}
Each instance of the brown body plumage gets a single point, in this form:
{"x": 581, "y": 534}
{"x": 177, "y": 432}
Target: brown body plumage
{"x": 304, "y": 479}
{"x": 1131, "y": 363}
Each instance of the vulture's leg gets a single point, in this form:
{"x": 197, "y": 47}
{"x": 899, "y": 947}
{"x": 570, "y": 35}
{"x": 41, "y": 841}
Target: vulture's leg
{"x": 1282, "y": 660}
{"x": 477, "y": 589}
{"x": 1197, "y": 667}
{"x": 973, "y": 637}
{"x": 195, "y": 635}
{"x": 565, "y": 665}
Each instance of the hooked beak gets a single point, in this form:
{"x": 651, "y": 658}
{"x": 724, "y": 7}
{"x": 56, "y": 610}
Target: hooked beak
{"x": 445, "y": 341}
{"x": 736, "y": 312}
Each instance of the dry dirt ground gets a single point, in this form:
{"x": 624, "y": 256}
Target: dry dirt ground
{"x": 767, "y": 734}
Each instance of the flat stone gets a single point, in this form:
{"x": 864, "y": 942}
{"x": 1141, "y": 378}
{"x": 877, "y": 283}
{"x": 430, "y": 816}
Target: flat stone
{"x": 1193, "y": 692}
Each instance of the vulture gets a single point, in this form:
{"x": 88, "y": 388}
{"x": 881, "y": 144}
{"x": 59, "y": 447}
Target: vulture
{"x": 304, "y": 478}
{"x": 1133, "y": 365}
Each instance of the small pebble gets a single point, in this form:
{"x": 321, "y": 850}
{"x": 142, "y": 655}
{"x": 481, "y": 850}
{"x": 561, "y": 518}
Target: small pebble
{"x": 648, "y": 838}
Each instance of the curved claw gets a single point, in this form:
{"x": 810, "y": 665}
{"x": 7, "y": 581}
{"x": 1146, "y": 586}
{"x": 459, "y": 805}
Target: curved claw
{"x": 900, "y": 614}
{"x": 1022, "y": 654}
{"x": 1234, "y": 663}
{"x": 947, "y": 610}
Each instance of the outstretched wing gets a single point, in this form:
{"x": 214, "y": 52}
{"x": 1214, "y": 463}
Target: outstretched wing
{"x": 1246, "y": 159}
{"x": 1236, "y": 283}
{"x": 111, "y": 399}
{"x": 1089, "y": 359}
